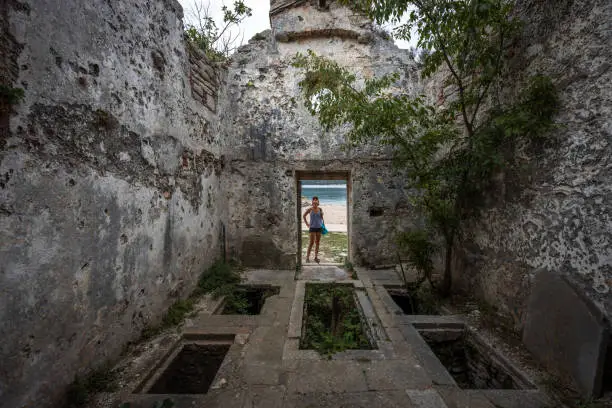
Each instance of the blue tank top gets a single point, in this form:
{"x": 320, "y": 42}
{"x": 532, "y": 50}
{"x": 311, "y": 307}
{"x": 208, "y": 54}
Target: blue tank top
{"x": 316, "y": 220}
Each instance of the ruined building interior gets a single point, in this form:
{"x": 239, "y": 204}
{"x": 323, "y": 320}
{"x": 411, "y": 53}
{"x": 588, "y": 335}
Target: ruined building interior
{"x": 133, "y": 163}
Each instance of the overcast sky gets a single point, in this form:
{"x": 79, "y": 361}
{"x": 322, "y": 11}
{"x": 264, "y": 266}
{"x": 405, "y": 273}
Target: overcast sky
{"x": 257, "y": 23}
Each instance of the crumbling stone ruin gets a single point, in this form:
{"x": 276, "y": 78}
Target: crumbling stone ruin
{"x": 133, "y": 162}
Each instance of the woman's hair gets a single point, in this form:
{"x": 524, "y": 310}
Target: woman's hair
{"x": 315, "y": 198}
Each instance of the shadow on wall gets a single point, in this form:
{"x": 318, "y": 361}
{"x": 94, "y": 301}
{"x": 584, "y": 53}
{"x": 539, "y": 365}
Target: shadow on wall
{"x": 260, "y": 251}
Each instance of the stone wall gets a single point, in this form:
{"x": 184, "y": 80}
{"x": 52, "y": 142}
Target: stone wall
{"x": 555, "y": 212}
{"x": 9, "y": 67}
{"x": 205, "y": 77}
{"x": 381, "y": 209}
{"x": 269, "y": 135}
{"x": 307, "y": 20}
{"x": 110, "y": 203}
{"x": 9, "y": 47}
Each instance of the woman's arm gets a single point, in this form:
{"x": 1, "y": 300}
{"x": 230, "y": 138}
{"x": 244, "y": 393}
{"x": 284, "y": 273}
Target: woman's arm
{"x": 305, "y": 214}
{"x": 322, "y": 220}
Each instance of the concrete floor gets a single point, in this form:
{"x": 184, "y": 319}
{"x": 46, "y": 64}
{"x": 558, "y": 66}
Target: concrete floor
{"x": 265, "y": 367}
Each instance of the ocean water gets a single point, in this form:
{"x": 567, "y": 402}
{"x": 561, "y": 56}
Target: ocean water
{"x": 328, "y": 194}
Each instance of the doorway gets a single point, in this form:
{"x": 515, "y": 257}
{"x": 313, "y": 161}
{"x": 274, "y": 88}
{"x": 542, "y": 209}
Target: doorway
{"x": 333, "y": 190}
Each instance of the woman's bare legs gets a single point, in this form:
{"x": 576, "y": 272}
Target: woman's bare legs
{"x": 312, "y": 240}
{"x": 317, "y": 239}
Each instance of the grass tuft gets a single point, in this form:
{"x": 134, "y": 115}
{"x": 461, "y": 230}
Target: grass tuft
{"x": 333, "y": 247}
{"x": 102, "y": 379}
{"x": 219, "y": 280}
{"x": 331, "y": 320}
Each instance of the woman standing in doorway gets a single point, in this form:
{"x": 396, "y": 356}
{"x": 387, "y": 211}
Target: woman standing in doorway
{"x": 314, "y": 227}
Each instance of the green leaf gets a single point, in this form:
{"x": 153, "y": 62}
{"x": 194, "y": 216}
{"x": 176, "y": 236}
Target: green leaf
{"x": 450, "y": 151}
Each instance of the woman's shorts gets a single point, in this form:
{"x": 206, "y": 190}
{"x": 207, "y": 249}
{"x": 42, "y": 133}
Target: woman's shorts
{"x": 315, "y": 229}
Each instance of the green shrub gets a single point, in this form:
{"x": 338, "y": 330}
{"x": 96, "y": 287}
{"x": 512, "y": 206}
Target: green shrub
{"x": 219, "y": 280}
{"x": 11, "y": 96}
{"x": 102, "y": 379}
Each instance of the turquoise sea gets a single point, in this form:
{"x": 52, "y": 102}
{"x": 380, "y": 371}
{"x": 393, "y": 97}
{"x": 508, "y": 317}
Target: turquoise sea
{"x": 327, "y": 193}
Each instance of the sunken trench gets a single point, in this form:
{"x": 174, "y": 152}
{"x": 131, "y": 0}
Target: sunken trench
{"x": 192, "y": 371}
{"x": 333, "y": 320}
{"x": 247, "y": 300}
{"x": 411, "y": 303}
{"x": 472, "y": 363}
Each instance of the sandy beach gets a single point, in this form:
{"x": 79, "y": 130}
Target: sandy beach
{"x": 334, "y": 215}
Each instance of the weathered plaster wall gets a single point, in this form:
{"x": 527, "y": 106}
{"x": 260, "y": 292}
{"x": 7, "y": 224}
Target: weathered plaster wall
{"x": 556, "y": 212}
{"x": 110, "y": 203}
{"x": 270, "y": 135}
{"x": 309, "y": 21}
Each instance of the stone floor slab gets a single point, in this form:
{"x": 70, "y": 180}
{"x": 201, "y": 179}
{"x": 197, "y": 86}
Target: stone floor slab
{"x": 265, "y": 345}
{"x": 297, "y": 311}
{"x": 264, "y": 397}
{"x": 224, "y": 321}
{"x": 395, "y": 375}
{"x": 384, "y": 277}
{"x": 291, "y": 351}
{"x": 401, "y": 348}
{"x": 426, "y": 398}
{"x": 517, "y": 398}
{"x": 323, "y": 273}
{"x": 390, "y": 399}
{"x": 214, "y": 399}
{"x": 262, "y": 374}
{"x": 276, "y": 311}
{"x": 327, "y": 376}
{"x": 458, "y": 398}
{"x": 269, "y": 275}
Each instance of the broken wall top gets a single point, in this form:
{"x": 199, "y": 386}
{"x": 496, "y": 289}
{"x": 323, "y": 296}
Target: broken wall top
{"x": 295, "y": 20}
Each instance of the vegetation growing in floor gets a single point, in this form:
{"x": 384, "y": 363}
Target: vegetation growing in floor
{"x": 332, "y": 322}
{"x": 247, "y": 300}
{"x": 103, "y": 379}
{"x": 350, "y": 269}
{"x": 451, "y": 149}
{"x": 421, "y": 300}
{"x": 11, "y": 96}
{"x": 220, "y": 279}
{"x": 333, "y": 247}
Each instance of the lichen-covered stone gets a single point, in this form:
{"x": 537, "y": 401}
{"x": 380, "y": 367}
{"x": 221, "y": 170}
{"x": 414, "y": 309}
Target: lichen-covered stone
{"x": 553, "y": 211}
{"x": 269, "y": 134}
{"x": 110, "y": 203}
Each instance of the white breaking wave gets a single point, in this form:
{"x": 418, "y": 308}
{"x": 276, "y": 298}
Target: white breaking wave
{"x": 343, "y": 186}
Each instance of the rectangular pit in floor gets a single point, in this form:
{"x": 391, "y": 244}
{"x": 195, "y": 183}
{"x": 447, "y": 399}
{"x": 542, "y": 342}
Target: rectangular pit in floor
{"x": 472, "y": 363}
{"x": 248, "y": 300}
{"x": 192, "y": 370}
{"x": 333, "y": 320}
{"x": 410, "y": 304}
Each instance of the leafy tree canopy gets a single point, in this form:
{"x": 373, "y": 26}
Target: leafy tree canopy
{"x": 451, "y": 148}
